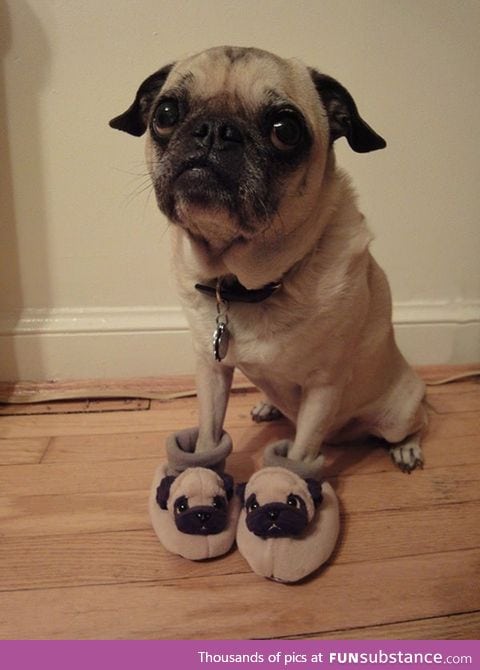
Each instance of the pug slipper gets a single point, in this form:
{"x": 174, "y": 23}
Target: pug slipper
{"x": 193, "y": 511}
{"x": 288, "y": 526}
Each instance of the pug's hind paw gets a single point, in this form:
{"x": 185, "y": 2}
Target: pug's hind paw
{"x": 407, "y": 456}
{"x": 264, "y": 411}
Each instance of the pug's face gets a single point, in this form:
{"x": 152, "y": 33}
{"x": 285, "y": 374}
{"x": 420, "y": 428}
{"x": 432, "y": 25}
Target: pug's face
{"x": 238, "y": 140}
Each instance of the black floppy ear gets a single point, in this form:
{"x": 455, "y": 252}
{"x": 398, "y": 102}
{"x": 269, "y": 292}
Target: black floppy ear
{"x": 227, "y": 484}
{"x": 134, "y": 120}
{"x": 163, "y": 491}
{"x": 343, "y": 116}
{"x": 240, "y": 491}
{"x": 315, "y": 489}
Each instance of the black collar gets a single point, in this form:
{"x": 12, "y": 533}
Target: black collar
{"x": 232, "y": 291}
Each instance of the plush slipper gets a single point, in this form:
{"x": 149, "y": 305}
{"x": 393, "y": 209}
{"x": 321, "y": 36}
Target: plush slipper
{"x": 192, "y": 507}
{"x": 288, "y": 526}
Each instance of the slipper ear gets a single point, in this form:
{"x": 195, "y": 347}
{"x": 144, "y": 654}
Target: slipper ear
{"x": 240, "y": 491}
{"x": 227, "y": 484}
{"x": 315, "y": 490}
{"x": 163, "y": 491}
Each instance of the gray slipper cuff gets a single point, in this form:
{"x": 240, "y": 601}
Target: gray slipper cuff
{"x": 276, "y": 455}
{"x": 181, "y": 452}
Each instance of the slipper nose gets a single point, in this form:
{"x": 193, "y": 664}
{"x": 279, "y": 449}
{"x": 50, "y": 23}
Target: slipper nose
{"x": 203, "y": 516}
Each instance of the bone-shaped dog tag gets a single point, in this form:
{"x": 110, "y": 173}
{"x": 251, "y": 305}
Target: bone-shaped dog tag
{"x": 221, "y": 337}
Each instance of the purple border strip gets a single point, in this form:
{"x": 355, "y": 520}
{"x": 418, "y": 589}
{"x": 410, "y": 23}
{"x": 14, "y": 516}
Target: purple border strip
{"x": 237, "y": 655}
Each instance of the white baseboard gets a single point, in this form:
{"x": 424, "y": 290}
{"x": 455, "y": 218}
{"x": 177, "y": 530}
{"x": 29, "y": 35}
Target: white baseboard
{"x": 94, "y": 343}
{"x": 38, "y": 344}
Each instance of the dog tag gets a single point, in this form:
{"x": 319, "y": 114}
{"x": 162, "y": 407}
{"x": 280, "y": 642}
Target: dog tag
{"x": 221, "y": 337}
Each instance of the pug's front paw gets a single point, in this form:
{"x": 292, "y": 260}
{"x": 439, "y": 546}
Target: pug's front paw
{"x": 264, "y": 411}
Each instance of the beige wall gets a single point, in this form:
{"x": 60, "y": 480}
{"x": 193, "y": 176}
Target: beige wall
{"x": 84, "y": 273}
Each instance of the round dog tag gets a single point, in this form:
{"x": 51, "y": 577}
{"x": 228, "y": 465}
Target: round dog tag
{"x": 221, "y": 337}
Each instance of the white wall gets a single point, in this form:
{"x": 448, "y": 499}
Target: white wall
{"x": 86, "y": 290}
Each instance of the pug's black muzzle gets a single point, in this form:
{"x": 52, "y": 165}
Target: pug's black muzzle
{"x": 276, "y": 520}
{"x": 201, "y": 520}
{"x": 206, "y": 172}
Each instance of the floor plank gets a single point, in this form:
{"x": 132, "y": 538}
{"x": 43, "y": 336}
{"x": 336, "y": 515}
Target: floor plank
{"x": 365, "y": 492}
{"x": 247, "y": 438}
{"x": 447, "y": 403}
{"x": 52, "y": 561}
{"x": 99, "y": 508}
{"x": 80, "y": 478}
{"x": 69, "y": 514}
{"x": 439, "y": 373}
{"x": 22, "y": 451}
{"x": 382, "y": 593}
{"x": 463, "y": 424}
{"x": 113, "y": 447}
{"x": 458, "y": 387}
{"x": 175, "y": 414}
{"x": 47, "y": 561}
{"x": 29, "y": 392}
{"x": 454, "y": 627}
{"x": 76, "y": 407}
{"x": 97, "y": 424}
{"x": 339, "y": 459}
{"x": 372, "y": 458}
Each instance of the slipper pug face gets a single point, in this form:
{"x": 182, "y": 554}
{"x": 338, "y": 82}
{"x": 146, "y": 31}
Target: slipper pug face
{"x": 238, "y": 140}
{"x": 281, "y": 505}
{"x": 197, "y": 500}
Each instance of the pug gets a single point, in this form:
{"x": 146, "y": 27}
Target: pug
{"x": 271, "y": 252}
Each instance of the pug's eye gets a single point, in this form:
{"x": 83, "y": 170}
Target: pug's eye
{"x": 286, "y": 130}
{"x": 219, "y": 502}
{"x": 166, "y": 117}
{"x": 252, "y": 503}
{"x": 181, "y": 505}
{"x": 292, "y": 501}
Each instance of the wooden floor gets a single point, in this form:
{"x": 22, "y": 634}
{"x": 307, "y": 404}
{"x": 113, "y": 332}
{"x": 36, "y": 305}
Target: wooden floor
{"x": 78, "y": 558}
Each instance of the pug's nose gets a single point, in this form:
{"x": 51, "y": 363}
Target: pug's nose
{"x": 273, "y": 514}
{"x": 203, "y": 516}
{"x": 218, "y": 134}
